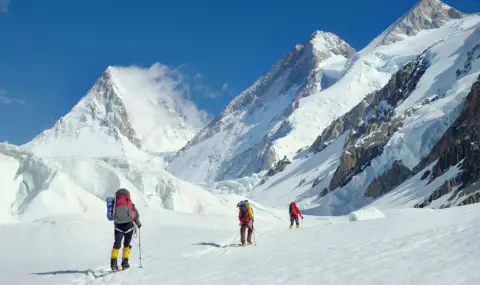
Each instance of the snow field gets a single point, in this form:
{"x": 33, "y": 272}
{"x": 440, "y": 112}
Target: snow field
{"x": 406, "y": 246}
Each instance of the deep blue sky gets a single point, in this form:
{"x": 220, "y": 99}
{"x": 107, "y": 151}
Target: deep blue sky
{"x": 52, "y": 51}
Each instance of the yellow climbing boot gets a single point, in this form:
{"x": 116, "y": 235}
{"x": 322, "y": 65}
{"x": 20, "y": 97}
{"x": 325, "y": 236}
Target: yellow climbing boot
{"x": 291, "y": 226}
{"x": 113, "y": 259}
{"x": 298, "y": 226}
{"x": 126, "y": 252}
{"x": 125, "y": 256}
{"x": 114, "y": 253}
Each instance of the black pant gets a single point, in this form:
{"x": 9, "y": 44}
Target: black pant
{"x": 293, "y": 218}
{"x": 125, "y": 232}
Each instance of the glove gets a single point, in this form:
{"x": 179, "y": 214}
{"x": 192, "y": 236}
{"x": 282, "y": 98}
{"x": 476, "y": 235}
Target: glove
{"x": 139, "y": 225}
{"x": 302, "y": 217}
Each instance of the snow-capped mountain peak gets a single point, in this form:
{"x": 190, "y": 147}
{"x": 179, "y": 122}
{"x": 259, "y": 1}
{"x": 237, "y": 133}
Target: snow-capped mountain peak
{"x": 425, "y": 15}
{"x": 128, "y": 108}
{"x": 239, "y": 140}
{"x": 328, "y": 43}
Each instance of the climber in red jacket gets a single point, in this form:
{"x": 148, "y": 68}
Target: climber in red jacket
{"x": 294, "y": 213}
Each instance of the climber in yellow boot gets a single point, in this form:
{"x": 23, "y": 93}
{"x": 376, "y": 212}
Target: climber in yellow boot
{"x": 245, "y": 216}
{"x": 294, "y": 213}
{"x": 125, "y": 218}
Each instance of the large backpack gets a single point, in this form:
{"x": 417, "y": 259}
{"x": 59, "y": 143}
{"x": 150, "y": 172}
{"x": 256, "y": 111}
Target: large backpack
{"x": 243, "y": 208}
{"x": 120, "y": 208}
{"x": 291, "y": 207}
{"x": 243, "y": 211}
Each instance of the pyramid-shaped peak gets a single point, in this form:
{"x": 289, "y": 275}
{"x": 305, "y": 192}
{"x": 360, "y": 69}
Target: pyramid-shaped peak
{"x": 328, "y": 42}
{"x": 425, "y": 15}
{"x": 434, "y": 7}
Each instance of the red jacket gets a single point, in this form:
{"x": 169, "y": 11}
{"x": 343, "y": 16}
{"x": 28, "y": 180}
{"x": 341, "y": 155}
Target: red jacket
{"x": 246, "y": 215}
{"x": 294, "y": 210}
{"x": 124, "y": 200}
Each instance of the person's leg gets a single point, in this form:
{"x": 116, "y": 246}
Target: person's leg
{"x": 297, "y": 222}
{"x": 249, "y": 236}
{"x": 242, "y": 233}
{"x": 116, "y": 247}
{"x": 126, "y": 249}
{"x": 292, "y": 219}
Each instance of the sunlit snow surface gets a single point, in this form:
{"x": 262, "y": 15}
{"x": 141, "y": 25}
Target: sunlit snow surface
{"x": 403, "y": 247}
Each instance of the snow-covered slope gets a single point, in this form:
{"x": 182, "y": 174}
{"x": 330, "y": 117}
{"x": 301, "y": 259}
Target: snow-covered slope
{"x": 127, "y": 111}
{"x": 32, "y": 187}
{"x": 238, "y": 142}
{"x": 286, "y": 111}
{"x": 381, "y": 143}
{"x": 430, "y": 247}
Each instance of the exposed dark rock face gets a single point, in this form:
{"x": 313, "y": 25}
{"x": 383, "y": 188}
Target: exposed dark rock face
{"x": 460, "y": 145}
{"x": 471, "y": 56}
{"x": 279, "y": 167}
{"x": 372, "y": 123}
{"x": 323, "y": 193}
{"x": 377, "y": 107}
{"x": 446, "y": 188}
{"x": 358, "y": 156}
{"x": 392, "y": 178}
{"x": 425, "y": 175}
{"x": 472, "y": 198}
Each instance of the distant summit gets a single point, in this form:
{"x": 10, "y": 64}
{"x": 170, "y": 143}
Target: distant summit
{"x": 425, "y": 15}
{"x": 128, "y": 108}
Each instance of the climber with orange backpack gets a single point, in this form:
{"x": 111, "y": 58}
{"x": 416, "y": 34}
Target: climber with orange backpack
{"x": 294, "y": 213}
{"x": 246, "y": 217}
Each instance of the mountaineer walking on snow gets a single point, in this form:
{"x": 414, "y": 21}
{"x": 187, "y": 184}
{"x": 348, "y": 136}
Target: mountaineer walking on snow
{"x": 125, "y": 216}
{"x": 294, "y": 213}
{"x": 246, "y": 217}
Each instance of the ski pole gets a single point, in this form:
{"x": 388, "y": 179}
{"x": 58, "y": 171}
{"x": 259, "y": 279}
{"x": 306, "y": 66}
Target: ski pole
{"x": 140, "y": 246}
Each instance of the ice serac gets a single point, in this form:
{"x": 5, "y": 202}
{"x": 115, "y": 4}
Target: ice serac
{"x": 239, "y": 141}
{"x": 128, "y": 110}
{"x": 425, "y": 15}
{"x": 33, "y": 187}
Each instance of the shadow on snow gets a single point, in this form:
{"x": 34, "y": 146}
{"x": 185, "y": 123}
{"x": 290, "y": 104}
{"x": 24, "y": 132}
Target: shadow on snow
{"x": 217, "y": 245}
{"x": 88, "y": 272}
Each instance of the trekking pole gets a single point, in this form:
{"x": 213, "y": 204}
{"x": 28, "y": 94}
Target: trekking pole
{"x": 140, "y": 247}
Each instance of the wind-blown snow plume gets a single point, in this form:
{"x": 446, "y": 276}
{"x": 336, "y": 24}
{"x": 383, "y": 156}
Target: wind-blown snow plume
{"x": 127, "y": 110}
